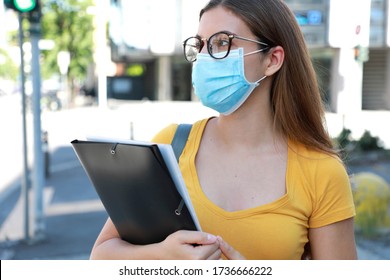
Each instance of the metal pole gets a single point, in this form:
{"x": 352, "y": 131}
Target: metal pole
{"x": 101, "y": 19}
{"x": 131, "y": 130}
{"x": 164, "y": 78}
{"x": 38, "y": 174}
{"x": 25, "y": 181}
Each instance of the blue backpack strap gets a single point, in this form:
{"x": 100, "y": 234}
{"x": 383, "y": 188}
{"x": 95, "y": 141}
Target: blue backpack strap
{"x": 180, "y": 139}
{"x": 178, "y": 143}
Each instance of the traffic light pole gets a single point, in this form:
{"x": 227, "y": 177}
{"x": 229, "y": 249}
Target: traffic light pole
{"x": 38, "y": 171}
{"x": 33, "y": 10}
{"x": 25, "y": 181}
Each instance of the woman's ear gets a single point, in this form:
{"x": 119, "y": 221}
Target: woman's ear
{"x": 276, "y": 59}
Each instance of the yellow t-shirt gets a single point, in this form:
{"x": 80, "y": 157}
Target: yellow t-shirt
{"x": 318, "y": 193}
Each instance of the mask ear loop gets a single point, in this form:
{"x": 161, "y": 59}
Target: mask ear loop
{"x": 258, "y": 81}
{"x": 256, "y": 51}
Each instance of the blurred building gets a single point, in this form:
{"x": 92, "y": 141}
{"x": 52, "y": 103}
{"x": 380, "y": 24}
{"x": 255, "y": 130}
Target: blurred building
{"x": 349, "y": 42}
{"x": 146, "y": 43}
{"x": 376, "y": 72}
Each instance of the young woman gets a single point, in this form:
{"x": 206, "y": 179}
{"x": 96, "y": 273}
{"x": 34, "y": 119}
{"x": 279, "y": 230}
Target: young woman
{"x": 263, "y": 176}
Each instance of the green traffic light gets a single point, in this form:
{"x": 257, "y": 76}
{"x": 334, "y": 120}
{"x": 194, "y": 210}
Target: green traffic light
{"x": 25, "y": 5}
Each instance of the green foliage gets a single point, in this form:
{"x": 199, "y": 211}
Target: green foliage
{"x": 369, "y": 143}
{"x": 365, "y": 143}
{"x": 69, "y": 25}
{"x": 344, "y": 138}
{"x": 345, "y": 143}
{"x": 371, "y": 195}
{"x": 8, "y": 69}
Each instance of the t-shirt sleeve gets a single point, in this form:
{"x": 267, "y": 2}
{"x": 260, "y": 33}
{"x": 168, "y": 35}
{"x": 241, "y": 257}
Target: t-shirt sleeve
{"x": 165, "y": 135}
{"x": 333, "y": 194}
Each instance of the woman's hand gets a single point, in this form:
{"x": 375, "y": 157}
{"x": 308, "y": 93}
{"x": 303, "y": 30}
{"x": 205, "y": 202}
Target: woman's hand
{"x": 185, "y": 245}
{"x": 179, "y": 245}
{"x": 228, "y": 251}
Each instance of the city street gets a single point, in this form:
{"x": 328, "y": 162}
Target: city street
{"x": 73, "y": 212}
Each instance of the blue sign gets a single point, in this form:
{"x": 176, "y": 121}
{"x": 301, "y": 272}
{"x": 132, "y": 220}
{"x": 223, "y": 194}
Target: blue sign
{"x": 311, "y": 17}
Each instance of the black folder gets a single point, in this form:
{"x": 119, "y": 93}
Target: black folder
{"x": 138, "y": 188}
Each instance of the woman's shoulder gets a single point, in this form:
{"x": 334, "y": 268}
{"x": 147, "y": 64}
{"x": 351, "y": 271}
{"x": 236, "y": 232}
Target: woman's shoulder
{"x": 323, "y": 176}
{"x": 316, "y": 164}
{"x": 166, "y": 135}
{"x": 306, "y": 154}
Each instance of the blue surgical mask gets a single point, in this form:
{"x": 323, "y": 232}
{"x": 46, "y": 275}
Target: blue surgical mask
{"x": 220, "y": 84}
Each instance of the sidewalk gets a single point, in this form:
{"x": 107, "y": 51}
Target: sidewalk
{"x": 73, "y": 212}
{"x": 73, "y": 216}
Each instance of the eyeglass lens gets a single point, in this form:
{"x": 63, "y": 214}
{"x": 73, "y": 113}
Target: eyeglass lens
{"x": 192, "y": 47}
{"x": 218, "y": 46}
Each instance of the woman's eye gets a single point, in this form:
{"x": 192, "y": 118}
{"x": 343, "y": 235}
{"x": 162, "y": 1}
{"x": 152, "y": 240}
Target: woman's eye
{"x": 223, "y": 43}
{"x": 220, "y": 44}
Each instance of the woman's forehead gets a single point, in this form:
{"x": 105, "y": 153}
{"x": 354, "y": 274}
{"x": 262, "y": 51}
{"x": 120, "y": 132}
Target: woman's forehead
{"x": 221, "y": 19}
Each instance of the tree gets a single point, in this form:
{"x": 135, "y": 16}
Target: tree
{"x": 8, "y": 69}
{"x": 70, "y": 26}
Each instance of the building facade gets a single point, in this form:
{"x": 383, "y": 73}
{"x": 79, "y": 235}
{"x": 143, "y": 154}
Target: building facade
{"x": 349, "y": 42}
{"x": 376, "y": 71}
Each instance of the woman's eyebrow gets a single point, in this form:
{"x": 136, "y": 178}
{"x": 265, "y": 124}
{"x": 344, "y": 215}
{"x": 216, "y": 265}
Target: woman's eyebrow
{"x": 221, "y": 31}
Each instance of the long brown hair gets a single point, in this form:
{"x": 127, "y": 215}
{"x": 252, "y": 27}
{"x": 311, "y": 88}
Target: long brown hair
{"x": 295, "y": 96}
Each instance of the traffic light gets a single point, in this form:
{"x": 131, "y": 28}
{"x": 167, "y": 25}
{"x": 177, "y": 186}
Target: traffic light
{"x": 30, "y": 8}
{"x": 361, "y": 53}
{"x": 21, "y": 6}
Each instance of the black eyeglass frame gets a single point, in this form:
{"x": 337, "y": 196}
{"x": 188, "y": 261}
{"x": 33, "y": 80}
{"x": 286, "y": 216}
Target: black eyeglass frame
{"x": 231, "y": 36}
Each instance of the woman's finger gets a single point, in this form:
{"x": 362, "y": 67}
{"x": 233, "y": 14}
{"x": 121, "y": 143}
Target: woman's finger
{"x": 196, "y": 237}
{"x": 229, "y": 252}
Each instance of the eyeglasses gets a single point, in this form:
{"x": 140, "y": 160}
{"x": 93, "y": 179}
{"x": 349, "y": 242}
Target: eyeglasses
{"x": 218, "y": 45}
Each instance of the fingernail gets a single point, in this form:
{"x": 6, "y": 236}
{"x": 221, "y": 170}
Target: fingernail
{"x": 211, "y": 237}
